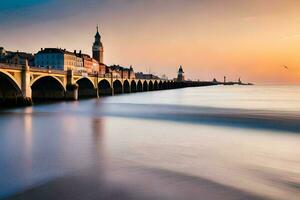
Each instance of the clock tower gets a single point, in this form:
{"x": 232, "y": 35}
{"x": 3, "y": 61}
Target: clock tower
{"x": 98, "y": 48}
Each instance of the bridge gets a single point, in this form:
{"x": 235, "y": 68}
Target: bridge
{"x": 22, "y": 85}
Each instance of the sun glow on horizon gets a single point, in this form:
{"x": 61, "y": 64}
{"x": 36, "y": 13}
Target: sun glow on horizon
{"x": 248, "y": 39}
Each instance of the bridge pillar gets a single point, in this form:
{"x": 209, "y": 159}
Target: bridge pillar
{"x": 123, "y": 87}
{"x": 97, "y": 87}
{"x": 70, "y": 77}
{"x": 72, "y": 88}
{"x": 25, "y": 83}
{"x": 111, "y": 84}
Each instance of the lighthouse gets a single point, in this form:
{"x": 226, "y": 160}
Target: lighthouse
{"x": 180, "y": 76}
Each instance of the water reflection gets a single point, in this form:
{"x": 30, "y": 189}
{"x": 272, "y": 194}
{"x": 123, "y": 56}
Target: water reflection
{"x": 111, "y": 149}
{"x": 28, "y": 143}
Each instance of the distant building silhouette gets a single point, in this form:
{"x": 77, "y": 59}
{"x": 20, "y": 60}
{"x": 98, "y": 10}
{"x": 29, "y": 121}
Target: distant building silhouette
{"x": 121, "y": 72}
{"x": 141, "y": 75}
{"x": 180, "y": 76}
{"x": 239, "y": 81}
{"x": 15, "y": 58}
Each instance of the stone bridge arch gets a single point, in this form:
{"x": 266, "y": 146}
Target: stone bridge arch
{"x": 118, "y": 87}
{"x": 160, "y": 85}
{"x": 133, "y": 86}
{"x": 126, "y": 86}
{"x": 139, "y": 86}
{"x": 86, "y": 88}
{"x": 155, "y": 85}
{"x": 151, "y": 86}
{"x": 145, "y": 86}
{"x": 104, "y": 88}
{"x": 35, "y": 79}
{"x": 164, "y": 85}
{"x": 10, "y": 91}
{"x": 47, "y": 88}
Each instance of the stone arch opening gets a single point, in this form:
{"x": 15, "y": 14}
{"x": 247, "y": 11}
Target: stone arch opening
{"x": 139, "y": 87}
{"x": 160, "y": 85}
{"x": 117, "y": 85}
{"x": 10, "y": 93}
{"x": 104, "y": 88}
{"x": 172, "y": 85}
{"x": 145, "y": 86}
{"x": 47, "y": 88}
{"x": 164, "y": 85}
{"x": 155, "y": 86}
{"x": 169, "y": 85}
{"x": 126, "y": 87}
{"x": 133, "y": 86}
{"x": 151, "y": 86}
{"x": 86, "y": 88}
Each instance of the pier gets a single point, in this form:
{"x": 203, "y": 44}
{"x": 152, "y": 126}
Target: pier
{"x": 23, "y": 85}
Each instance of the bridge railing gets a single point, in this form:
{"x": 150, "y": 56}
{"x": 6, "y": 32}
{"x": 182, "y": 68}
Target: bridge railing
{"x": 10, "y": 66}
{"x": 55, "y": 71}
{"x": 37, "y": 69}
{"x": 108, "y": 75}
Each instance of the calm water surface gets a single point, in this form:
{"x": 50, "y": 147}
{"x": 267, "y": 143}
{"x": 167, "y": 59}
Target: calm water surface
{"x": 222, "y": 142}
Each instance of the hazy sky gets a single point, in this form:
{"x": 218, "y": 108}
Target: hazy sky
{"x": 251, "y": 39}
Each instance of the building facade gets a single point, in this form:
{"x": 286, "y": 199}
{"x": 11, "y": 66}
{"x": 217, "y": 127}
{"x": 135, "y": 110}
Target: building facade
{"x": 16, "y": 58}
{"x": 59, "y": 59}
{"x": 87, "y": 63}
{"x": 121, "y": 72}
{"x": 141, "y": 75}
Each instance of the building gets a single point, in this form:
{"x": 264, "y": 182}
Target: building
{"x": 87, "y": 63}
{"x": 98, "y": 49}
{"x": 180, "y": 76}
{"x": 79, "y": 63}
{"x": 59, "y": 59}
{"x": 15, "y": 58}
{"x": 131, "y": 73}
{"x": 96, "y": 68}
{"x": 141, "y": 75}
{"x": 121, "y": 72}
{"x": 2, "y": 54}
{"x": 98, "y": 53}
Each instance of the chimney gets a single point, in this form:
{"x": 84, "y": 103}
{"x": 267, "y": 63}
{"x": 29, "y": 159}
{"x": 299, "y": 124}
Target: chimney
{"x": 42, "y": 49}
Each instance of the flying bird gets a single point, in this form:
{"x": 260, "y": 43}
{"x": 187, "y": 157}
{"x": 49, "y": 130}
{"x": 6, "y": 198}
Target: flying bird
{"x": 286, "y": 67}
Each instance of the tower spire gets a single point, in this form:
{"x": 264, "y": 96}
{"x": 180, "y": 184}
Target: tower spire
{"x": 97, "y": 36}
{"x": 98, "y": 47}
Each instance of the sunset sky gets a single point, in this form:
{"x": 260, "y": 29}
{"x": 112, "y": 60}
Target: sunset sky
{"x": 251, "y": 39}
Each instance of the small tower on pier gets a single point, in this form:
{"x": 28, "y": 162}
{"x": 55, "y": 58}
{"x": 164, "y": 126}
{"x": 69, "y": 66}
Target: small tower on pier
{"x": 180, "y": 76}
